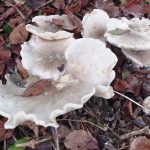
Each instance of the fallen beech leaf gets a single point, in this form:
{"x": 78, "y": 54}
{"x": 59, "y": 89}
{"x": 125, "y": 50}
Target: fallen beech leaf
{"x": 63, "y": 131}
{"x": 35, "y": 3}
{"x": 5, "y": 53}
{"x": 135, "y": 84}
{"x": 15, "y": 21}
{"x": 109, "y": 7}
{"x": 140, "y": 143}
{"x": 59, "y": 4}
{"x": 36, "y": 88}
{"x": 23, "y": 72}
{"x": 19, "y": 34}
{"x": 77, "y": 6}
{"x": 16, "y": 48}
{"x": 137, "y": 8}
{"x": 4, "y": 134}
{"x": 2, "y": 69}
{"x": 121, "y": 85}
{"x": 11, "y": 11}
{"x": 81, "y": 140}
{"x": 58, "y": 22}
{"x": 75, "y": 21}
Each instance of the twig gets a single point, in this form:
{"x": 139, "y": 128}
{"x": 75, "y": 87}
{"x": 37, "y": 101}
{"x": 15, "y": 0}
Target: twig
{"x": 43, "y": 4}
{"x": 134, "y": 133}
{"x": 55, "y": 135}
{"x": 32, "y": 143}
{"x": 85, "y": 121}
{"x": 131, "y": 100}
{"x": 20, "y": 13}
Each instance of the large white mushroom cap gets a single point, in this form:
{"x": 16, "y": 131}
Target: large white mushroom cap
{"x": 94, "y": 24}
{"x": 87, "y": 74}
{"x": 133, "y": 37}
{"x": 47, "y": 29}
{"x": 43, "y": 54}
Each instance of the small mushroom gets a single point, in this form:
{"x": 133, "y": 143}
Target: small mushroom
{"x": 43, "y": 54}
{"x": 133, "y": 37}
{"x": 87, "y": 73}
{"x": 94, "y": 24}
{"x": 146, "y": 104}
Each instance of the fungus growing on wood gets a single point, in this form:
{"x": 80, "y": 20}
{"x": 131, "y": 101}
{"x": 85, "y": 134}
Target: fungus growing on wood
{"x": 133, "y": 37}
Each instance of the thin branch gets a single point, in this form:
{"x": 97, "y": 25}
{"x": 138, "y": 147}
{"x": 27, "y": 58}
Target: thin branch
{"x": 145, "y": 130}
{"x": 131, "y": 100}
{"x": 55, "y": 136}
{"x": 85, "y": 121}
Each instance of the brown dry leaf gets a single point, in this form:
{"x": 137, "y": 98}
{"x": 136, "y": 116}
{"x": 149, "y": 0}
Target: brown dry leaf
{"x": 19, "y": 34}
{"x": 58, "y": 22}
{"x": 77, "y": 6}
{"x": 16, "y": 48}
{"x": 48, "y": 10}
{"x": 121, "y": 85}
{"x": 26, "y": 11}
{"x": 137, "y": 8}
{"x": 2, "y": 9}
{"x": 76, "y": 22}
{"x": 33, "y": 4}
{"x": 4, "y": 134}
{"x": 140, "y": 143}
{"x": 109, "y": 7}
{"x": 59, "y": 4}
{"x": 5, "y": 53}
{"x": 15, "y": 21}
{"x": 127, "y": 111}
{"x": 10, "y": 12}
{"x": 63, "y": 131}
{"x": 2, "y": 69}
{"x": 81, "y": 140}
{"x": 135, "y": 85}
{"x": 23, "y": 72}
{"x": 36, "y": 88}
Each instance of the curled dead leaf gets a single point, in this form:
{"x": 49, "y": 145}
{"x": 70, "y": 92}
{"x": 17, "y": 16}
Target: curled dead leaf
{"x": 11, "y": 11}
{"x": 121, "y": 85}
{"x": 4, "y": 134}
{"x": 19, "y": 34}
{"x": 76, "y": 22}
{"x": 5, "y": 53}
{"x": 81, "y": 140}
{"x": 59, "y": 4}
{"x": 36, "y": 88}
{"x": 23, "y": 72}
{"x": 15, "y": 21}
{"x": 137, "y": 8}
{"x": 140, "y": 143}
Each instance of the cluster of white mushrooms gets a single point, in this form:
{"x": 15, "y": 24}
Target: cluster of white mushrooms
{"x": 77, "y": 68}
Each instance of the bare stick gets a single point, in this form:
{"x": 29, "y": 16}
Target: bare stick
{"x": 131, "y": 100}
{"x": 145, "y": 130}
{"x": 85, "y": 121}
